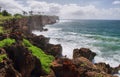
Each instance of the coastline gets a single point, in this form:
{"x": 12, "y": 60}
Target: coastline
{"x": 25, "y": 63}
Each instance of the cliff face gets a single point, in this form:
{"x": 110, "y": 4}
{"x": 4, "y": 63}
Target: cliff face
{"x": 38, "y": 22}
{"x": 31, "y": 23}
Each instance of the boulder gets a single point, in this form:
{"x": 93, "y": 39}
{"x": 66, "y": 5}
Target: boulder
{"x": 84, "y": 52}
{"x": 64, "y": 68}
{"x": 55, "y": 50}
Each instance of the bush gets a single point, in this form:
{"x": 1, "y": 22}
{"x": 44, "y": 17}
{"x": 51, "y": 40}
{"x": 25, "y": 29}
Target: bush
{"x": 6, "y": 42}
{"x": 18, "y": 15}
{"x": 44, "y": 59}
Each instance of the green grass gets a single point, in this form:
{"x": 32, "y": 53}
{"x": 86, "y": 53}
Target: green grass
{"x": 1, "y": 29}
{"x": 44, "y": 59}
{"x": 2, "y": 56}
{"x": 6, "y": 42}
{"x": 4, "y": 18}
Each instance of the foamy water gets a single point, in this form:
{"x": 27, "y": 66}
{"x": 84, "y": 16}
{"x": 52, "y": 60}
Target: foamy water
{"x": 97, "y": 43}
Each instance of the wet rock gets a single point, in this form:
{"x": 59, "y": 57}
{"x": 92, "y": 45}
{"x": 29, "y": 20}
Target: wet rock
{"x": 84, "y": 52}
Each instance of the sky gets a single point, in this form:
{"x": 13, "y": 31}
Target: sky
{"x": 67, "y": 9}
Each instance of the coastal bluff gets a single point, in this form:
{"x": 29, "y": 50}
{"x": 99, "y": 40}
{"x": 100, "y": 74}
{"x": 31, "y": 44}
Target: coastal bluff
{"x": 29, "y": 23}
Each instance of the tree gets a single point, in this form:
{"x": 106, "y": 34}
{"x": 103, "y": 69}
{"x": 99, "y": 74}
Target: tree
{"x": 24, "y": 13}
{"x": 5, "y": 13}
{"x": 31, "y": 12}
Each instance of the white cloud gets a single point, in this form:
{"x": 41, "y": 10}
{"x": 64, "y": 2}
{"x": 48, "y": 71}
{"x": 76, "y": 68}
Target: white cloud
{"x": 116, "y": 2}
{"x": 68, "y": 11}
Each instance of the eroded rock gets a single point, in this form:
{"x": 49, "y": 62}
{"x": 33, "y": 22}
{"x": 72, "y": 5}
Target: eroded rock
{"x": 84, "y": 52}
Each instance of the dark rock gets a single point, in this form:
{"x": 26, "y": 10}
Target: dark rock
{"x": 43, "y": 43}
{"x": 24, "y": 61}
{"x": 96, "y": 74}
{"x": 6, "y": 67}
{"x": 84, "y": 52}
{"x": 55, "y": 50}
{"x": 8, "y": 70}
{"x": 45, "y": 29}
{"x": 106, "y": 68}
{"x": 64, "y": 68}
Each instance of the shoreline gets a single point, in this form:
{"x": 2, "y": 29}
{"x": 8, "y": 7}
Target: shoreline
{"x": 29, "y": 55}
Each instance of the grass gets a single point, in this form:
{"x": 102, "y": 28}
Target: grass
{"x": 4, "y": 18}
{"x": 44, "y": 59}
{"x": 1, "y": 29}
{"x": 6, "y": 42}
{"x": 2, "y": 57}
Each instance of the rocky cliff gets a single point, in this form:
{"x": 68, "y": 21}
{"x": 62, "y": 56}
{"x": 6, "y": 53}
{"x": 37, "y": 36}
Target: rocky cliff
{"x": 23, "y": 54}
{"x": 36, "y": 22}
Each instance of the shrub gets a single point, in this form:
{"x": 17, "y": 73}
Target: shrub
{"x": 18, "y": 15}
{"x": 44, "y": 59}
{"x": 5, "y": 13}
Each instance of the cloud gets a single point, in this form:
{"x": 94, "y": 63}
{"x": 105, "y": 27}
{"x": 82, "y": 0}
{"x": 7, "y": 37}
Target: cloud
{"x": 67, "y": 11}
{"x": 11, "y": 5}
{"x": 116, "y": 2}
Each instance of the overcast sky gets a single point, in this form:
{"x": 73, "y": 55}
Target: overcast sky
{"x": 67, "y": 9}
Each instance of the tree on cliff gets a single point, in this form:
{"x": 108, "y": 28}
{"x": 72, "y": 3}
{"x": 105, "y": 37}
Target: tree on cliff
{"x": 5, "y": 13}
{"x": 31, "y": 12}
{"x": 24, "y": 13}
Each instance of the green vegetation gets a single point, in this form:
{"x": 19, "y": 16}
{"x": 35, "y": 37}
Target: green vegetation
{"x": 18, "y": 15}
{"x": 2, "y": 57}
{"x": 5, "y": 13}
{"x": 6, "y": 42}
{"x": 1, "y": 29}
{"x": 44, "y": 59}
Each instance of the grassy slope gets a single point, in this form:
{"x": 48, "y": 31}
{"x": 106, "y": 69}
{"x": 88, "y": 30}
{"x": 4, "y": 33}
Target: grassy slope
{"x": 3, "y": 43}
{"x": 44, "y": 59}
{"x": 6, "y": 42}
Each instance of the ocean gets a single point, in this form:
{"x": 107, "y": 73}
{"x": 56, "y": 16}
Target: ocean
{"x": 101, "y": 36}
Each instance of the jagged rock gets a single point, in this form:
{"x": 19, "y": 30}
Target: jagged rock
{"x": 64, "y": 68}
{"x": 55, "y": 50}
{"x": 23, "y": 60}
{"x": 6, "y": 66}
{"x": 84, "y": 52}
{"x": 106, "y": 68}
{"x": 84, "y": 62}
{"x": 43, "y": 43}
{"x": 40, "y": 41}
{"x": 96, "y": 74}
{"x": 7, "y": 69}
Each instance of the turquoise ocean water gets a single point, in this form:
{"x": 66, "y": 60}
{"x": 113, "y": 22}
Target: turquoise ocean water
{"x": 101, "y": 36}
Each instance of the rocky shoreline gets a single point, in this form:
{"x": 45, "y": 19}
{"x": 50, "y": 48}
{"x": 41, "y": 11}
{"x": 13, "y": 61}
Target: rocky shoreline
{"x": 24, "y": 54}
